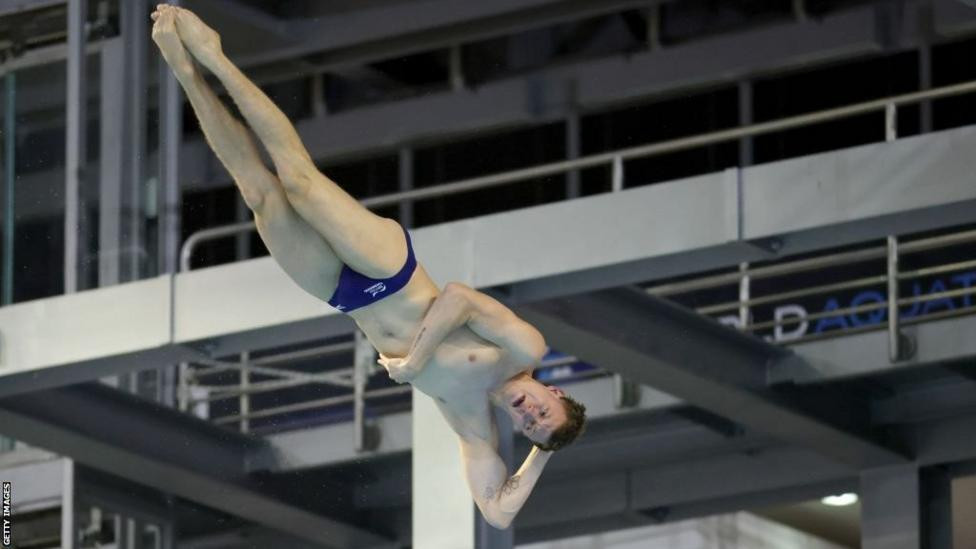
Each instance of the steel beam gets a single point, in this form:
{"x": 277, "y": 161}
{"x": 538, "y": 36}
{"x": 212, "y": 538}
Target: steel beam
{"x": 398, "y": 29}
{"x": 697, "y": 485}
{"x": 100, "y": 427}
{"x": 8, "y": 7}
{"x": 679, "y": 352}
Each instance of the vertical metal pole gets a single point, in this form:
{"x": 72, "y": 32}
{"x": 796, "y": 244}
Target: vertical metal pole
{"x": 572, "y": 153}
{"x": 456, "y": 63}
{"x": 363, "y": 357}
{"x": 113, "y": 151}
{"x": 10, "y": 173}
{"x": 925, "y": 82}
{"x": 167, "y": 536}
{"x": 183, "y": 387}
{"x": 891, "y": 122}
{"x": 617, "y": 179}
{"x": 135, "y": 33}
{"x": 245, "y": 398}
{"x": 132, "y": 529}
{"x": 406, "y": 183}
{"x": 121, "y": 532}
{"x": 744, "y": 292}
{"x": 799, "y": 10}
{"x": 75, "y": 143}
{"x": 363, "y": 367}
{"x": 894, "y": 333}
{"x": 170, "y": 138}
{"x": 317, "y": 92}
{"x": 935, "y": 485}
{"x": 242, "y": 242}
{"x": 745, "y": 119}
{"x": 68, "y": 530}
{"x": 654, "y": 26}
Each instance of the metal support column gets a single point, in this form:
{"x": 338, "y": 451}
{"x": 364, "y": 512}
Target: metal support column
{"x": 745, "y": 287}
{"x": 572, "y": 153}
{"x": 242, "y": 242}
{"x": 926, "y": 34}
{"x": 745, "y": 119}
{"x": 486, "y": 536}
{"x": 69, "y": 536}
{"x": 245, "y": 398}
{"x": 654, "y": 26}
{"x": 317, "y": 93}
{"x": 10, "y": 174}
{"x": 925, "y": 83}
{"x": 456, "y": 66}
{"x": 113, "y": 151}
{"x": 135, "y": 30}
{"x": 170, "y": 138}
{"x": 890, "y": 510}
{"x": 900, "y": 346}
{"x": 936, "y": 502}
{"x": 406, "y": 184}
{"x": 364, "y": 355}
{"x": 799, "y": 10}
{"x": 75, "y": 145}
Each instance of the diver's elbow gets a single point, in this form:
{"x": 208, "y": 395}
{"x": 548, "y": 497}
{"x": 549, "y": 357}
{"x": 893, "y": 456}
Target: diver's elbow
{"x": 498, "y": 519}
{"x": 500, "y": 523}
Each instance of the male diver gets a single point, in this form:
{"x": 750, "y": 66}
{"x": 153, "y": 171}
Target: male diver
{"x": 461, "y": 347}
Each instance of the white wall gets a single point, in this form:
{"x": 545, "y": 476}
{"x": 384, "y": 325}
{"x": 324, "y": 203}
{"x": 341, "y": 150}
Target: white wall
{"x": 734, "y": 531}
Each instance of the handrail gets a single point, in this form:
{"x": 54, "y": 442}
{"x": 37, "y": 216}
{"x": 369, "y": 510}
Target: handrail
{"x": 615, "y": 158}
{"x": 900, "y": 344}
{"x": 813, "y": 263}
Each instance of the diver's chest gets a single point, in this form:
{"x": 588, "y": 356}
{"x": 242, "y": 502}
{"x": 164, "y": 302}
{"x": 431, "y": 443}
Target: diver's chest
{"x": 460, "y": 369}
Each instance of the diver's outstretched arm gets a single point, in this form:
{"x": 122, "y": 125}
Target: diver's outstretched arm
{"x": 498, "y": 496}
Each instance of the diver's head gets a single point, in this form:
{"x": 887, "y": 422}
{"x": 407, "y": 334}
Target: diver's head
{"x": 544, "y": 414}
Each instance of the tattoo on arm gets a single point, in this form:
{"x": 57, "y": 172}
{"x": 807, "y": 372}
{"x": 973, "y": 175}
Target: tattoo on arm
{"x": 510, "y": 485}
{"x": 489, "y": 492}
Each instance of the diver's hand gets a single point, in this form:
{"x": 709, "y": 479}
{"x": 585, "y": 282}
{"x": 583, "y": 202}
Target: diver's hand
{"x": 401, "y": 370}
{"x": 166, "y": 38}
{"x": 202, "y": 41}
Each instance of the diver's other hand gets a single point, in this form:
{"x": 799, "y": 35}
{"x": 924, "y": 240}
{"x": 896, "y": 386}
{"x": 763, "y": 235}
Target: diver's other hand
{"x": 166, "y": 38}
{"x": 401, "y": 370}
{"x": 202, "y": 41}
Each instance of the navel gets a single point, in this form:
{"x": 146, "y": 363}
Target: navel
{"x": 471, "y": 357}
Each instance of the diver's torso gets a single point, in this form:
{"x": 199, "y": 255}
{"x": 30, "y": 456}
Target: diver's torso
{"x": 461, "y": 371}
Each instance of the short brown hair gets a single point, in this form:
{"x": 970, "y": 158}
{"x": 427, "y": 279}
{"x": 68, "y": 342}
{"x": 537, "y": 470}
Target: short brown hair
{"x": 570, "y": 430}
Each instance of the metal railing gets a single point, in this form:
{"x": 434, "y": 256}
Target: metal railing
{"x": 900, "y": 347}
{"x": 615, "y": 159}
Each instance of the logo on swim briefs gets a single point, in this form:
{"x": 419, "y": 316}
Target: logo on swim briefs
{"x": 379, "y": 287}
{"x": 340, "y": 307}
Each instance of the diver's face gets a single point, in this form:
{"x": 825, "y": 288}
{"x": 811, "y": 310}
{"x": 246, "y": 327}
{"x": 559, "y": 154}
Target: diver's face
{"x": 537, "y": 412}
